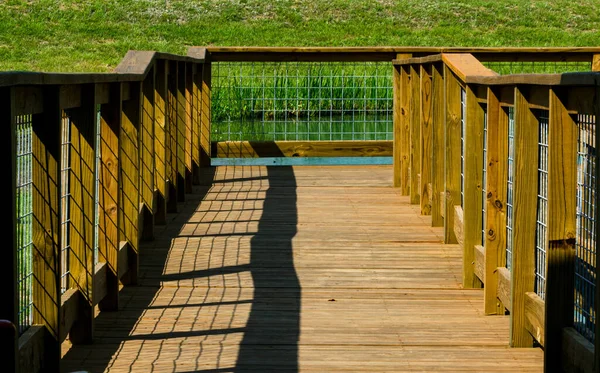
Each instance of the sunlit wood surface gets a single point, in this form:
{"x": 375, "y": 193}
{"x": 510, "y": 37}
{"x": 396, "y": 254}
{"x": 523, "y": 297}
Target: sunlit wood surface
{"x": 313, "y": 269}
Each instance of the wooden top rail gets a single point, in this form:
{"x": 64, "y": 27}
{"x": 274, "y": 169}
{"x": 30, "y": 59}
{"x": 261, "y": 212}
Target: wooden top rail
{"x": 134, "y": 67}
{"x": 388, "y": 53}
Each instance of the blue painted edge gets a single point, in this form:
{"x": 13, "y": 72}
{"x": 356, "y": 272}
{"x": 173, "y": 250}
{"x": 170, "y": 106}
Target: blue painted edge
{"x": 301, "y": 161}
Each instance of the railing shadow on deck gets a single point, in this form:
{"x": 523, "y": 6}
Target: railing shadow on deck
{"x": 270, "y": 335}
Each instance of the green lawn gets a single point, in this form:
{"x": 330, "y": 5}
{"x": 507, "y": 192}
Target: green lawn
{"x": 94, "y": 35}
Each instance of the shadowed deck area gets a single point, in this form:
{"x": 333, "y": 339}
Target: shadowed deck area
{"x": 300, "y": 268}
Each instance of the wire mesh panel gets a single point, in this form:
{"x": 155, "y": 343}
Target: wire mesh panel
{"x": 463, "y": 130}
{"x": 65, "y": 219}
{"x": 538, "y": 67}
{"x": 541, "y": 234}
{"x": 484, "y": 178}
{"x": 585, "y": 259}
{"x": 509, "y": 187}
{"x": 24, "y": 212}
{"x": 301, "y": 101}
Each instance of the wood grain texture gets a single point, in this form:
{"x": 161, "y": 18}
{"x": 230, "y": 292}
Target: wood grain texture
{"x": 80, "y": 175}
{"x": 524, "y": 228}
{"x": 459, "y": 227}
{"x": 257, "y": 149}
{"x": 426, "y": 120}
{"x": 479, "y": 263}
{"x": 535, "y": 320}
{"x": 397, "y": 126}
{"x": 161, "y": 142}
{"x": 473, "y": 181}
{"x": 561, "y": 229}
{"x": 147, "y": 142}
{"x": 46, "y": 232}
{"x": 438, "y": 146}
{"x": 496, "y": 186}
{"x": 109, "y": 207}
{"x": 596, "y": 62}
{"x": 452, "y": 169}
{"x": 465, "y": 64}
{"x": 308, "y": 268}
{"x": 405, "y": 137}
{"x": 415, "y": 133}
{"x": 504, "y": 288}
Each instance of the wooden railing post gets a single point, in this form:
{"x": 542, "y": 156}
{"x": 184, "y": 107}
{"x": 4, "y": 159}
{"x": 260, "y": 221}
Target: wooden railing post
{"x": 46, "y": 188}
{"x": 472, "y": 198}
{"x": 596, "y": 201}
{"x": 187, "y": 77}
{"x": 205, "y": 113}
{"x": 524, "y": 230}
{"x": 596, "y": 62}
{"x": 426, "y": 125}
{"x": 181, "y": 124}
{"x": 147, "y": 161}
{"x": 438, "y": 145}
{"x": 171, "y": 149}
{"x": 399, "y": 132}
{"x": 497, "y": 176}
{"x": 81, "y": 192}
{"x": 8, "y": 265}
{"x": 160, "y": 142}
{"x": 405, "y": 139}
{"x": 130, "y": 178}
{"x": 415, "y": 133}
{"x": 452, "y": 152}
{"x": 562, "y": 211}
{"x": 196, "y": 110}
{"x": 110, "y": 214}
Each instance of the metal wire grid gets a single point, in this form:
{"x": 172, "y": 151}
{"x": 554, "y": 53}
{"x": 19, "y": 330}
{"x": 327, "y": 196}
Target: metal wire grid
{"x": 24, "y": 206}
{"x": 484, "y": 178}
{"x": 65, "y": 219}
{"x": 302, "y": 101}
{"x": 537, "y": 67}
{"x": 509, "y": 186}
{"x": 541, "y": 234}
{"x": 463, "y": 130}
{"x": 585, "y": 259}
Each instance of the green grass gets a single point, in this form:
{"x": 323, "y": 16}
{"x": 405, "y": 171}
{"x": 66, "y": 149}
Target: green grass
{"x": 94, "y": 35}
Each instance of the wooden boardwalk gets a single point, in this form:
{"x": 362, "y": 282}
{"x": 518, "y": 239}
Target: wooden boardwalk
{"x": 312, "y": 269}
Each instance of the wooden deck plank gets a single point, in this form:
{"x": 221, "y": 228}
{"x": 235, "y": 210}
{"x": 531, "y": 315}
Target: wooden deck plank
{"x": 311, "y": 269}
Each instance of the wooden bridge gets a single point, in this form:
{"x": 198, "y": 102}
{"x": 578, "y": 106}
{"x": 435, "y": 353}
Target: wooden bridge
{"x": 474, "y": 251}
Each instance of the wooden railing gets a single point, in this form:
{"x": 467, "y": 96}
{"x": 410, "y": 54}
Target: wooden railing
{"x": 129, "y": 143}
{"x": 120, "y": 150}
{"x": 449, "y": 109}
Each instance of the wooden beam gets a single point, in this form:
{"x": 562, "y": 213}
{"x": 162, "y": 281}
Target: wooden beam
{"x": 497, "y": 176}
{"x": 171, "y": 157}
{"x": 28, "y": 100}
{"x": 397, "y": 125}
{"x": 80, "y": 219}
{"x": 535, "y": 320}
{"x": 182, "y": 155}
{"x": 33, "y": 349}
{"x": 160, "y": 143}
{"x": 130, "y": 174}
{"x": 577, "y": 352}
{"x": 109, "y": 196}
{"x": 426, "y": 126}
{"x": 504, "y": 288}
{"x": 438, "y": 148}
{"x": 479, "y": 263}
{"x": 472, "y": 185}
{"x": 415, "y": 133}
{"x": 459, "y": 225}
{"x": 205, "y": 118}
{"x": 69, "y": 311}
{"x": 46, "y": 232}
{"x": 8, "y": 267}
{"x": 524, "y": 229}
{"x": 561, "y": 229}
{"x": 405, "y": 94}
{"x": 465, "y": 64}
{"x": 256, "y": 149}
{"x": 196, "y": 110}
{"x": 597, "y": 229}
{"x": 147, "y": 161}
{"x": 188, "y": 130}
{"x": 452, "y": 151}
{"x": 596, "y": 62}
{"x": 100, "y": 282}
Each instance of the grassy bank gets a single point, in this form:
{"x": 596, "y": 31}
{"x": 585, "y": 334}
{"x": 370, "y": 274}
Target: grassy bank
{"x": 94, "y": 35}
